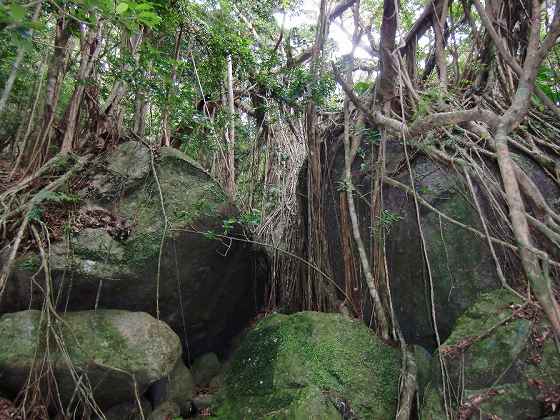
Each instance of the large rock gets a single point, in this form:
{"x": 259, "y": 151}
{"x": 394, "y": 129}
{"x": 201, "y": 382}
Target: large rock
{"x": 201, "y": 285}
{"x": 311, "y": 365}
{"x": 177, "y": 387}
{"x": 501, "y": 356}
{"x": 461, "y": 263}
{"x": 114, "y": 348}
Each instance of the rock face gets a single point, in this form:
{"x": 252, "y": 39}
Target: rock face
{"x": 461, "y": 263}
{"x": 111, "y": 346}
{"x": 310, "y": 365}
{"x": 499, "y": 354}
{"x": 199, "y": 284}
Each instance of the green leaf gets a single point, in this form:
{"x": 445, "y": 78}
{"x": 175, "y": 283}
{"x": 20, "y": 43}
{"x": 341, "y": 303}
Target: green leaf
{"x": 361, "y": 87}
{"x": 17, "y": 12}
{"x": 121, "y": 8}
{"x": 35, "y": 214}
{"x": 149, "y": 18}
{"x": 143, "y": 6}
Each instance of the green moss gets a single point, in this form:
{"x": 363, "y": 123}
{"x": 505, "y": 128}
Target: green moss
{"x": 100, "y": 255}
{"x": 495, "y": 357}
{"x": 500, "y": 357}
{"x": 432, "y": 408}
{"x": 14, "y": 345}
{"x": 106, "y": 347}
{"x": 141, "y": 249}
{"x": 190, "y": 197}
{"x": 548, "y": 370}
{"x": 286, "y": 357}
{"x": 491, "y": 357}
{"x": 62, "y": 162}
{"x": 513, "y": 401}
{"x": 455, "y": 255}
{"x": 489, "y": 309}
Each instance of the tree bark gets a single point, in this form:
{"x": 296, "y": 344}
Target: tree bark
{"x": 140, "y": 111}
{"x": 440, "y": 57}
{"x": 385, "y": 86}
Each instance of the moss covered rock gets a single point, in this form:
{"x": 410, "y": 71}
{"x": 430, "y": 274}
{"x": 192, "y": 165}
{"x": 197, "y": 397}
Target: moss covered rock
{"x": 497, "y": 350}
{"x": 177, "y": 387}
{"x": 201, "y": 285}
{"x": 114, "y": 348}
{"x": 461, "y": 263}
{"x": 498, "y": 353}
{"x": 311, "y": 366}
{"x": 205, "y": 368}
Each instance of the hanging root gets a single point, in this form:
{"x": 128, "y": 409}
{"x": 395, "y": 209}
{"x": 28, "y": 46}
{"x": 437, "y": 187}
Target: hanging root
{"x": 29, "y": 201}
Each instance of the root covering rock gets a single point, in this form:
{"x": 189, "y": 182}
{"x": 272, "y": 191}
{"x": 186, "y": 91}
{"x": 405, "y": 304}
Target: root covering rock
{"x": 113, "y": 348}
{"x": 500, "y": 360}
{"x": 461, "y": 263}
{"x": 201, "y": 285}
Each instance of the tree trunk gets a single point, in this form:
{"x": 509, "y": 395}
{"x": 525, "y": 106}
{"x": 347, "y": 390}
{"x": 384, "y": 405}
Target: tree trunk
{"x": 230, "y": 164}
{"x": 166, "y": 134}
{"x": 440, "y": 56}
{"x": 140, "y": 111}
{"x": 90, "y": 47}
{"x": 319, "y": 291}
{"x": 55, "y": 75}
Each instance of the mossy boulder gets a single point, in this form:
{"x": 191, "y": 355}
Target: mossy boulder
{"x": 113, "y": 348}
{"x": 122, "y": 255}
{"x": 498, "y": 353}
{"x": 310, "y": 365}
{"x": 498, "y": 349}
{"x": 512, "y": 401}
{"x": 177, "y": 387}
{"x": 205, "y": 368}
{"x": 423, "y": 361}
